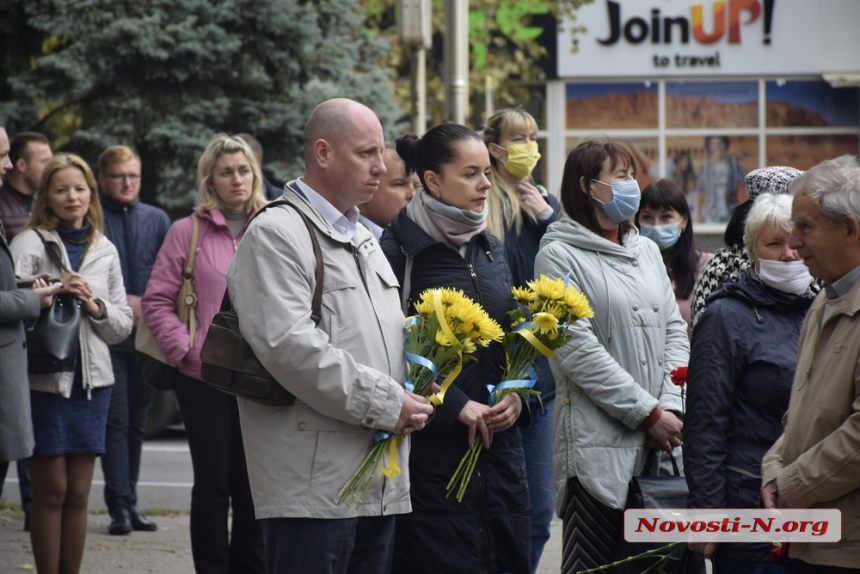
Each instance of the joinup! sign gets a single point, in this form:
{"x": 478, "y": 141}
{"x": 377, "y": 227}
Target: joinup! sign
{"x": 725, "y": 37}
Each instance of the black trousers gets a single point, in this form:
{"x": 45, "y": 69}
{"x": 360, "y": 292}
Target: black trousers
{"x": 220, "y": 481}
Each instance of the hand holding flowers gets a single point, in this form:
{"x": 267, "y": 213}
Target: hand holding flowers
{"x": 446, "y": 330}
{"x": 539, "y": 325}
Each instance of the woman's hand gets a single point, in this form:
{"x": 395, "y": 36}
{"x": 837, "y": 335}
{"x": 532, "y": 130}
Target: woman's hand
{"x": 78, "y": 286}
{"x": 531, "y": 198}
{"x": 666, "y": 432}
{"x": 472, "y": 416}
{"x": 504, "y": 414}
{"x": 45, "y": 291}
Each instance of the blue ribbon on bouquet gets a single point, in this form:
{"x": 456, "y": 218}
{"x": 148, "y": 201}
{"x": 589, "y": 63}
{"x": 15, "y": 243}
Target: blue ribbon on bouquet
{"x": 528, "y": 383}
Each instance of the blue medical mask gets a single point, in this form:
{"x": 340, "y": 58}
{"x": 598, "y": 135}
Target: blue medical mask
{"x": 665, "y": 236}
{"x": 625, "y": 200}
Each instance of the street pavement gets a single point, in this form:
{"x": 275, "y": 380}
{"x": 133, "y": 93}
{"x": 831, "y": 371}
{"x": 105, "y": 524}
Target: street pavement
{"x": 164, "y": 491}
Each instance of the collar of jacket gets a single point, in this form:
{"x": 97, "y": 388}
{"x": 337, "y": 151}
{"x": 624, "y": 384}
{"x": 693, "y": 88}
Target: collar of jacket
{"x": 413, "y": 239}
{"x": 848, "y": 305}
{"x": 571, "y": 232}
{"x": 750, "y": 289}
{"x": 294, "y": 195}
{"x": 114, "y": 206}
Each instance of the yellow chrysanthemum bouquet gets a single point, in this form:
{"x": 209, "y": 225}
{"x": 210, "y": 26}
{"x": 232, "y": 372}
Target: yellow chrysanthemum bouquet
{"x": 539, "y": 325}
{"x": 446, "y": 330}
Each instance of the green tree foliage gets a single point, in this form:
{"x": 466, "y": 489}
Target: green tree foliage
{"x": 165, "y": 76}
{"x": 507, "y": 40}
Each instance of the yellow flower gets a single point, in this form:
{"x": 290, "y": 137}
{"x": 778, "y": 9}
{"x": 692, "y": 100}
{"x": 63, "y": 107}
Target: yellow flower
{"x": 490, "y": 330}
{"x": 546, "y": 322}
{"x": 442, "y": 339}
{"x": 578, "y": 303}
{"x": 469, "y": 346}
{"x": 524, "y": 295}
{"x": 547, "y": 288}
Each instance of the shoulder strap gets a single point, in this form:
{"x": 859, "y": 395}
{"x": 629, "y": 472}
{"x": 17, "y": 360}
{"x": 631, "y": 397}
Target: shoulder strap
{"x": 316, "y": 300}
{"x": 52, "y": 252}
{"x": 192, "y": 250}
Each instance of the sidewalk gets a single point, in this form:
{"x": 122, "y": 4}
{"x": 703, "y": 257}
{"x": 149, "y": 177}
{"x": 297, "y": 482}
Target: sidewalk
{"x": 167, "y": 551}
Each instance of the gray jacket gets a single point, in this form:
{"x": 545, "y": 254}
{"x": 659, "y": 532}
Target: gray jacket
{"x": 100, "y": 267}
{"x": 615, "y": 369}
{"x": 16, "y": 306}
{"x": 346, "y": 372}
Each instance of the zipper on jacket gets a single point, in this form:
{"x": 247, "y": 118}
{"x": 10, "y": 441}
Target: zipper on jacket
{"x": 358, "y": 266}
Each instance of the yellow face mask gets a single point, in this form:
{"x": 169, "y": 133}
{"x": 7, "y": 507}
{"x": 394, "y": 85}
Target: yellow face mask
{"x": 522, "y": 159}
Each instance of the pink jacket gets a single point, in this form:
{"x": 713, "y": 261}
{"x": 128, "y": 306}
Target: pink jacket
{"x": 215, "y": 251}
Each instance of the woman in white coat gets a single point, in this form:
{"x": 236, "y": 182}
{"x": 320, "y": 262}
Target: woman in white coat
{"x": 70, "y": 408}
{"x": 614, "y": 395}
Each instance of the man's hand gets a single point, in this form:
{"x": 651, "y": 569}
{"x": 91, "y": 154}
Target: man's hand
{"x": 770, "y": 495}
{"x": 667, "y": 431}
{"x": 414, "y": 413}
{"x": 136, "y": 309}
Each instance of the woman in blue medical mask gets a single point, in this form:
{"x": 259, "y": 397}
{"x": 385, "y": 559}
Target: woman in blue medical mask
{"x": 664, "y": 218}
{"x": 614, "y": 396}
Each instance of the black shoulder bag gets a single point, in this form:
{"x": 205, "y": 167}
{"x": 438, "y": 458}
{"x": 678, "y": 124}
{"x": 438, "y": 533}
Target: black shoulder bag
{"x": 228, "y": 361}
{"x": 53, "y": 340}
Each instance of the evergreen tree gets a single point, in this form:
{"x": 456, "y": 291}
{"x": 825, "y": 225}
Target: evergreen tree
{"x": 165, "y": 76}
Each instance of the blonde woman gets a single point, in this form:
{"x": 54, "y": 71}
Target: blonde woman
{"x": 70, "y": 409}
{"x": 519, "y": 212}
{"x": 230, "y": 191}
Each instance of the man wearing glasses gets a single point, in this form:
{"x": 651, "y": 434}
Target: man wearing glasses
{"x": 137, "y": 230}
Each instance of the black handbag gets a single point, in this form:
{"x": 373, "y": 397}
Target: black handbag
{"x": 651, "y": 491}
{"x": 53, "y": 340}
{"x": 229, "y": 364}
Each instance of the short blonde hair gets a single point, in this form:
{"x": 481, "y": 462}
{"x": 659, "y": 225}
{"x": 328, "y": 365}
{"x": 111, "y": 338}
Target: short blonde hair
{"x": 207, "y": 199}
{"x": 43, "y": 217}
{"x": 116, "y": 154}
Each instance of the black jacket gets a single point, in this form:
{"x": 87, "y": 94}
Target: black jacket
{"x": 742, "y": 363}
{"x": 490, "y": 530}
{"x": 521, "y": 250}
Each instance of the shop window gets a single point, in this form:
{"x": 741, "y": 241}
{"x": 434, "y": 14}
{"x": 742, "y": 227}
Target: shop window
{"x": 805, "y": 151}
{"x": 645, "y": 152}
{"x": 710, "y": 169}
{"x": 811, "y": 104}
{"x": 612, "y": 106}
{"x": 711, "y": 105}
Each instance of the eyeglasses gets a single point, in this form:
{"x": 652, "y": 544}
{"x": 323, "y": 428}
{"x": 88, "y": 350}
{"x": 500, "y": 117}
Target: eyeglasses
{"x": 122, "y": 176}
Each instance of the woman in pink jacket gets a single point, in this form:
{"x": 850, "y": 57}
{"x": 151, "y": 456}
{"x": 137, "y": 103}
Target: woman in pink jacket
{"x": 230, "y": 190}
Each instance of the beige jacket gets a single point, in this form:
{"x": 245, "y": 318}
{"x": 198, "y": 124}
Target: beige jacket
{"x": 346, "y": 373}
{"x": 816, "y": 461}
{"x": 101, "y": 268}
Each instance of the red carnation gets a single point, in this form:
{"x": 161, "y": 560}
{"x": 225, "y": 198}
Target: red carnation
{"x": 679, "y": 376}
{"x": 779, "y": 552}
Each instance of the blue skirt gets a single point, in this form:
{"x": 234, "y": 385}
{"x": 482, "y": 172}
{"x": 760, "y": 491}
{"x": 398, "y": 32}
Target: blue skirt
{"x": 73, "y": 425}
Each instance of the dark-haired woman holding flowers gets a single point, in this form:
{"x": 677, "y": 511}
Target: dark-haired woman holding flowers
{"x": 440, "y": 240}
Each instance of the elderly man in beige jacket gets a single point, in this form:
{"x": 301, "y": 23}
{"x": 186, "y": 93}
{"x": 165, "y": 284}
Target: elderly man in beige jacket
{"x": 347, "y": 371}
{"x": 816, "y": 461}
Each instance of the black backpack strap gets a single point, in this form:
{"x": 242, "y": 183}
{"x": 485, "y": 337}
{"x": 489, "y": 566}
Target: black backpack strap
{"x": 316, "y": 300}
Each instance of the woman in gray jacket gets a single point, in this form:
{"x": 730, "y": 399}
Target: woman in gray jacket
{"x": 70, "y": 408}
{"x": 614, "y": 395}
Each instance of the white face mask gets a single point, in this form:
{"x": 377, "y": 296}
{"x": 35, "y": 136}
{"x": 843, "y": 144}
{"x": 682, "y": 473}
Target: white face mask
{"x": 788, "y": 276}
